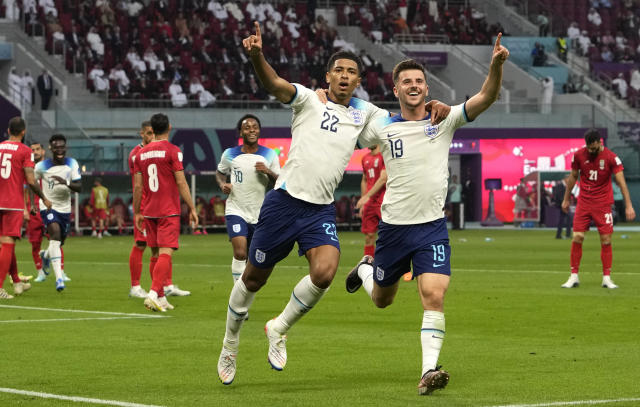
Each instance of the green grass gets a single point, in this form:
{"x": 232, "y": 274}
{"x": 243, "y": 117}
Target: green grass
{"x": 513, "y": 335}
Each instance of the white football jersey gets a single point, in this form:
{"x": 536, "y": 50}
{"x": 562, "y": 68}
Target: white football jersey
{"x": 323, "y": 140}
{"x": 58, "y": 194}
{"x": 416, "y": 155}
{"x": 249, "y": 185}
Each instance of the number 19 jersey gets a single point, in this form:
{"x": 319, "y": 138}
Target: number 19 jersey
{"x": 157, "y": 162}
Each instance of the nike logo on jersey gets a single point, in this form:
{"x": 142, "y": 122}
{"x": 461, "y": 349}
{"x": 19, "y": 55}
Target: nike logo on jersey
{"x": 328, "y": 108}
{"x": 438, "y": 265}
{"x": 392, "y": 134}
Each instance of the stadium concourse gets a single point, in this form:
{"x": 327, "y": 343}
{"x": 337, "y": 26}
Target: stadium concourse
{"x": 94, "y": 71}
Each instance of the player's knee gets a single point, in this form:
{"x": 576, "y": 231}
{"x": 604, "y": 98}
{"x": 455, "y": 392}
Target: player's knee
{"x": 239, "y": 254}
{"x": 578, "y": 238}
{"x": 382, "y": 302}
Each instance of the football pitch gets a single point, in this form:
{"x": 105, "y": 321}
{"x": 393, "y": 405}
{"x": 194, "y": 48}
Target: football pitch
{"x": 513, "y": 336}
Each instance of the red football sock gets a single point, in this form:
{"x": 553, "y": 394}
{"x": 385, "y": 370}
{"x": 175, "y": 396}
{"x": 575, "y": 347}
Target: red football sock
{"x": 170, "y": 276}
{"x": 35, "y": 253}
{"x": 160, "y": 273}
{"x": 369, "y": 250}
{"x": 13, "y": 269}
{"x": 606, "y": 255}
{"x": 6, "y": 255}
{"x": 152, "y": 265}
{"x": 576, "y": 255}
{"x": 61, "y": 259}
{"x": 135, "y": 265}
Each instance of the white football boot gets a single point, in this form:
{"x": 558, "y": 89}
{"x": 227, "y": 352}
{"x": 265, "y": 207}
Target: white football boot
{"x": 277, "y": 347}
{"x": 137, "y": 292}
{"x": 175, "y": 291}
{"x": 572, "y": 282}
{"x": 227, "y": 365}
{"x": 607, "y": 283}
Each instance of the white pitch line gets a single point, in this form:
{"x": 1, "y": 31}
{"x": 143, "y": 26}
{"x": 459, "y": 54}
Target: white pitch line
{"x": 83, "y": 311}
{"x": 73, "y": 319}
{"x": 74, "y": 398}
{"x": 571, "y": 403}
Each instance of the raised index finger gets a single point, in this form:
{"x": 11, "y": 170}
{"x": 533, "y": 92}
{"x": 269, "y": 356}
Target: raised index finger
{"x": 257, "y": 25}
{"x": 497, "y": 41}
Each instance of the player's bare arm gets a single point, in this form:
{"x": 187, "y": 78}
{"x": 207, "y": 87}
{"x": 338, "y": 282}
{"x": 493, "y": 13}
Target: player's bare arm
{"x": 571, "y": 182}
{"x": 629, "y": 211}
{"x": 261, "y": 167}
{"x": 225, "y": 186}
{"x": 75, "y": 186}
{"x": 31, "y": 181}
{"x": 491, "y": 87}
{"x": 380, "y": 182}
{"x": 274, "y": 84}
{"x": 137, "y": 198}
{"x": 185, "y": 194}
{"x": 439, "y": 110}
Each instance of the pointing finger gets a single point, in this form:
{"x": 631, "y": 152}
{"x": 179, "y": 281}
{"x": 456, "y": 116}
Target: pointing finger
{"x": 257, "y": 25}
{"x": 497, "y": 46}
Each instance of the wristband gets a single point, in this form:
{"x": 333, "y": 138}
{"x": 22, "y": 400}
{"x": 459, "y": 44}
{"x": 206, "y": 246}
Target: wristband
{"x": 68, "y": 182}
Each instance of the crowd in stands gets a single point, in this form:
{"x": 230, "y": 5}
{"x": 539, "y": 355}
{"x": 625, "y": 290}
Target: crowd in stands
{"x": 607, "y": 34}
{"x": 143, "y": 49}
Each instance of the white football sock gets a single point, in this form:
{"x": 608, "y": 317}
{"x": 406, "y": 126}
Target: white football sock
{"x": 55, "y": 256}
{"x": 237, "y": 268}
{"x": 239, "y": 303}
{"x": 431, "y": 336}
{"x": 365, "y": 272}
{"x": 304, "y": 296}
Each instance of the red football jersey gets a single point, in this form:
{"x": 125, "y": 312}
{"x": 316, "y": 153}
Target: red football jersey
{"x": 158, "y": 161}
{"x": 132, "y": 171}
{"x": 595, "y": 176}
{"x": 372, "y": 165}
{"x": 14, "y": 157}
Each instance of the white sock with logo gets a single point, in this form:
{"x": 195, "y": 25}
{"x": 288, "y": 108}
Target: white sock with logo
{"x": 304, "y": 296}
{"x": 239, "y": 303}
{"x": 365, "y": 272}
{"x": 237, "y": 268}
{"x": 55, "y": 256}
{"x": 431, "y": 337}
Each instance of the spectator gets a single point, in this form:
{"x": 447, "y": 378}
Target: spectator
{"x": 27, "y": 87}
{"x": 561, "y": 44}
{"x": 361, "y": 93}
{"x": 12, "y": 10}
{"x": 620, "y": 84}
{"x": 155, "y": 64}
{"x": 224, "y": 90}
{"x": 607, "y": 39}
{"x": 100, "y": 81}
{"x": 178, "y": 97}
{"x": 543, "y": 24}
{"x": 137, "y": 64}
{"x": 45, "y": 89}
{"x": 119, "y": 76}
{"x": 585, "y": 42}
{"x": 48, "y": 7}
{"x": 218, "y": 10}
{"x": 635, "y": 79}
{"x": 594, "y": 17}
{"x": 547, "y": 95}
{"x": 573, "y": 32}
{"x": 205, "y": 98}
{"x": 570, "y": 85}
{"x": 539, "y": 57}
{"x": 606, "y": 55}
{"x": 15, "y": 86}
{"x": 73, "y": 39}
{"x": 234, "y": 10}
{"x": 95, "y": 42}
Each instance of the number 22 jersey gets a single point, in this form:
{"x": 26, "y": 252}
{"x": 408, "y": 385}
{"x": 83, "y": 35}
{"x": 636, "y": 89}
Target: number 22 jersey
{"x": 157, "y": 162}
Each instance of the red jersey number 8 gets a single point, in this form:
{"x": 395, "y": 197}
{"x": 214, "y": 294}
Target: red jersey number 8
{"x": 152, "y": 170}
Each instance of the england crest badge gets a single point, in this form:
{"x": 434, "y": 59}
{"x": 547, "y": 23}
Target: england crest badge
{"x": 260, "y": 256}
{"x": 431, "y": 131}
{"x": 356, "y": 115}
{"x": 379, "y": 273}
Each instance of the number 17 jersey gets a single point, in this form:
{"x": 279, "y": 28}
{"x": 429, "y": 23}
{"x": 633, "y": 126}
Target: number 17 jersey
{"x": 157, "y": 162}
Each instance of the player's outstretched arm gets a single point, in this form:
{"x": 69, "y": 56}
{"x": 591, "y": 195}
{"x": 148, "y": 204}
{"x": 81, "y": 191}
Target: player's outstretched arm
{"x": 571, "y": 182}
{"x": 31, "y": 181}
{"x": 138, "y": 219}
{"x": 491, "y": 87}
{"x": 275, "y": 85}
{"x": 630, "y": 213}
{"x": 185, "y": 194}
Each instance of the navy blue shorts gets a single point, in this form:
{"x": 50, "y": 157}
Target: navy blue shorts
{"x": 62, "y": 219}
{"x": 424, "y": 245}
{"x": 285, "y": 220}
{"x": 237, "y": 226}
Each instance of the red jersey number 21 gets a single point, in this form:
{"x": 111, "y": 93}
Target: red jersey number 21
{"x": 593, "y": 175}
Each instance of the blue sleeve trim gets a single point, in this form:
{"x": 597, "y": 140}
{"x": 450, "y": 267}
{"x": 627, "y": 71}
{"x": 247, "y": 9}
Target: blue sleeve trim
{"x": 464, "y": 112}
{"x": 295, "y": 95}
